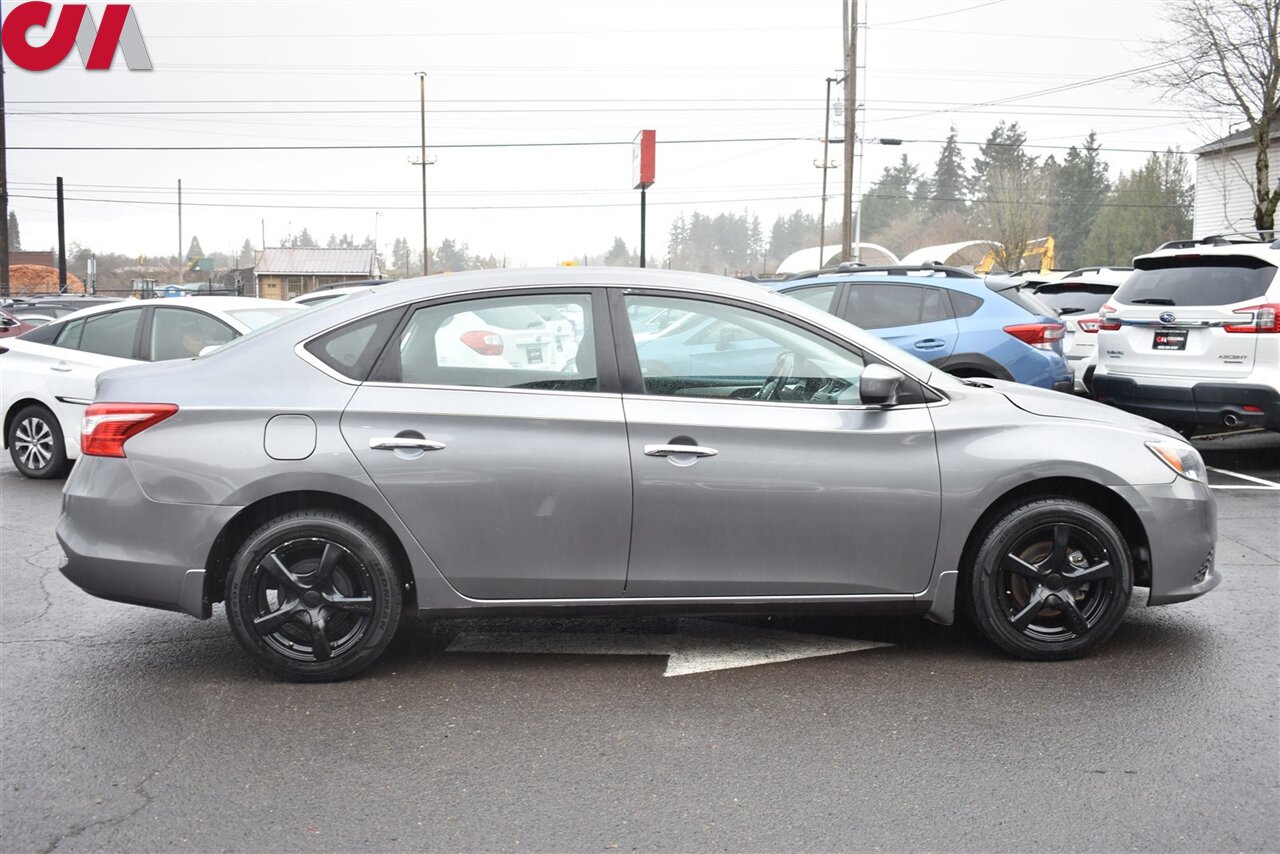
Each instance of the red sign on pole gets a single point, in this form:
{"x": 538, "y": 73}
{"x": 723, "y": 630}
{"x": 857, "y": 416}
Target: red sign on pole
{"x": 642, "y": 151}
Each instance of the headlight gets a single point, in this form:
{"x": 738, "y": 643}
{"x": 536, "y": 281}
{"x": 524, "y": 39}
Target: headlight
{"x": 1182, "y": 458}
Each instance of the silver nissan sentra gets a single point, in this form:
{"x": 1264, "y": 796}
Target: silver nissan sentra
{"x": 652, "y": 439}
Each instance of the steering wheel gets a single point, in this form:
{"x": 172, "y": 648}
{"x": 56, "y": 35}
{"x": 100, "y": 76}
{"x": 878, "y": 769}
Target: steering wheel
{"x": 781, "y": 371}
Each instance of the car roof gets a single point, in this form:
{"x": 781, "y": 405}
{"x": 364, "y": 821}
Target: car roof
{"x": 331, "y": 293}
{"x": 208, "y": 305}
{"x": 1268, "y": 252}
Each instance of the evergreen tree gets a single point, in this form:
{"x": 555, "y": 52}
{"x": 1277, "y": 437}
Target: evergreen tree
{"x": 947, "y": 187}
{"x": 891, "y": 197}
{"x": 15, "y": 238}
{"x": 401, "y": 256}
{"x": 1148, "y": 206}
{"x": 194, "y": 251}
{"x": 247, "y": 255}
{"x": 305, "y": 241}
{"x": 618, "y": 256}
{"x": 1002, "y": 152}
{"x": 1079, "y": 187}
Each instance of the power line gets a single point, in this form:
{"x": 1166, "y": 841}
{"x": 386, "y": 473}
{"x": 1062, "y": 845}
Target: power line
{"x": 386, "y": 146}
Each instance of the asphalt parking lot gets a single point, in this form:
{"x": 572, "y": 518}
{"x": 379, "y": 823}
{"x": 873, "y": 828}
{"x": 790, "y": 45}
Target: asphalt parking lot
{"x": 126, "y": 729}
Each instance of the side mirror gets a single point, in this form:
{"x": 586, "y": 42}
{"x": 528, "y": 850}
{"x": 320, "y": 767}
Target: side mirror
{"x": 879, "y": 385}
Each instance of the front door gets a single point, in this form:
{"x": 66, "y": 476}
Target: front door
{"x": 513, "y": 477}
{"x": 789, "y": 486}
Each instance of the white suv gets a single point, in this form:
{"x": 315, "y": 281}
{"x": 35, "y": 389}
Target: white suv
{"x": 1192, "y": 337}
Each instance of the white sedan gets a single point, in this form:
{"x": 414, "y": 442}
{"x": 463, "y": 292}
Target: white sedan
{"x": 47, "y": 376}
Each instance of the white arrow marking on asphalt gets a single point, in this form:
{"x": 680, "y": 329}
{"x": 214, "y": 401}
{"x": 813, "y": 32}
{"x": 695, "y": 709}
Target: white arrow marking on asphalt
{"x": 697, "y": 647}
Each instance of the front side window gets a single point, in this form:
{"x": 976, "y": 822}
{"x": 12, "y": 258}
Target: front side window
{"x": 541, "y": 342}
{"x": 719, "y": 350}
{"x": 110, "y": 334}
{"x": 180, "y": 333}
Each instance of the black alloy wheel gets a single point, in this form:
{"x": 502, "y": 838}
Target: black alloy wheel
{"x": 1052, "y": 578}
{"x": 36, "y": 445}
{"x": 314, "y": 596}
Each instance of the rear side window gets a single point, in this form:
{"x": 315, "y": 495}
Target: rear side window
{"x": 111, "y": 334}
{"x": 1023, "y": 299}
{"x": 1205, "y": 280}
{"x": 887, "y": 306}
{"x": 820, "y": 297}
{"x": 351, "y": 350}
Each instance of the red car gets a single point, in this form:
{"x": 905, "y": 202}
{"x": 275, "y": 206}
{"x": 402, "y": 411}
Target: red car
{"x": 11, "y": 326}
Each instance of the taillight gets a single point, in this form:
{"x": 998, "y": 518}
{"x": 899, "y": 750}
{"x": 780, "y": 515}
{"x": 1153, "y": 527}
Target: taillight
{"x": 1088, "y": 324}
{"x": 483, "y": 342}
{"x": 1040, "y": 335}
{"x": 107, "y": 426}
{"x": 1106, "y": 319}
{"x": 1266, "y": 318}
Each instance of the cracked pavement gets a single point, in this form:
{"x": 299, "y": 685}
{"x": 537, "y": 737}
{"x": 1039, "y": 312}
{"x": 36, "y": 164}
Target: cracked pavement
{"x": 128, "y": 729}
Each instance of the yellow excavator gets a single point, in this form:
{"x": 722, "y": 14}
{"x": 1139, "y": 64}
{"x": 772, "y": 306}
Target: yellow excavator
{"x": 1037, "y": 256}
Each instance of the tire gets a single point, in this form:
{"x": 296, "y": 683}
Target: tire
{"x": 36, "y": 445}
{"x": 275, "y": 600}
{"x": 1038, "y": 557}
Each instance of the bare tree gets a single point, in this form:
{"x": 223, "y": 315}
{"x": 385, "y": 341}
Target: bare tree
{"x": 1223, "y": 54}
{"x": 1016, "y": 213}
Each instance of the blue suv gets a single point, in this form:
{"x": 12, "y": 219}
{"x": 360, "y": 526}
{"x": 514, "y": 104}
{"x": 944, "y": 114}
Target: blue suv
{"x": 962, "y": 323}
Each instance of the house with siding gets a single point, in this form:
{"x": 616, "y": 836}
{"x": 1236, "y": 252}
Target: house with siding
{"x": 286, "y": 273}
{"x": 1224, "y": 183}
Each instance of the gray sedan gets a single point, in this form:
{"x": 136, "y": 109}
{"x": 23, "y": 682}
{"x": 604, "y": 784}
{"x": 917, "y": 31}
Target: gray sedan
{"x": 329, "y": 474}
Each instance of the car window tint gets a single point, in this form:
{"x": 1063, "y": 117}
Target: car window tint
{"x": 1074, "y": 298}
{"x": 352, "y": 349}
{"x": 1202, "y": 280}
{"x": 964, "y": 305}
{"x": 70, "y": 334}
{"x": 820, "y": 297}
{"x": 886, "y": 306}
{"x": 498, "y": 342}
{"x": 726, "y": 351}
{"x": 180, "y": 333}
{"x": 111, "y": 334}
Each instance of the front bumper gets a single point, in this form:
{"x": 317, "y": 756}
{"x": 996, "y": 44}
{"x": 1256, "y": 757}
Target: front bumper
{"x": 121, "y": 545}
{"x": 1181, "y": 522}
{"x": 1201, "y": 403}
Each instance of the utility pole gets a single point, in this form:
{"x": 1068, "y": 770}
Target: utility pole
{"x": 824, "y": 166}
{"x": 424, "y": 162}
{"x": 4, "y": 197}
{"x": 181, "y": 266}
{"x": 62, "y": 244}
{"x": 850, "y": 109}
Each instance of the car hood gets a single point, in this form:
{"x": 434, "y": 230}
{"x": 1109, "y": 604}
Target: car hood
{"x": 1056, "y": 404}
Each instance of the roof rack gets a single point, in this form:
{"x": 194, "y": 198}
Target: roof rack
{"x": 930, "y": 269}
{"x": 1235, "y": 238}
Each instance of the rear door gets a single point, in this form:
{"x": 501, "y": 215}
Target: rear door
{"x": 83, "y": 349}
{"x": 514, "y": 480}
{"x": 914, "y": 317}
{"x": 1177, "y": 316}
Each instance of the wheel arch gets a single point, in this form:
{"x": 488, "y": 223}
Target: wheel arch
{"x": 1096, "y": 495}
{"x": 254, "y": 515}
{"x": 16, "y": 407}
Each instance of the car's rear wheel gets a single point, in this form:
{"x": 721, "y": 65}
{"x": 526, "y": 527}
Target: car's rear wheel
{"x": 1051, "y": 578}
{"x": 314, "y": 595}
{"x": 36, "y": 444}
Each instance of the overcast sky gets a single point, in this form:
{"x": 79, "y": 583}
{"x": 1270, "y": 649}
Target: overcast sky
{"x": 503, "y": 76}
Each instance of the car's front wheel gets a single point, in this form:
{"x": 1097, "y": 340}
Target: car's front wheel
{"x": 314, "y": 595}
{"x": 36, "y": 444}
{"x": 1051, "y": 578}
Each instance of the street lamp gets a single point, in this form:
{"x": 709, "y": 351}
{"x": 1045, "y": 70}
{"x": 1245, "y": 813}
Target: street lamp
{"x": 857, "y": 221}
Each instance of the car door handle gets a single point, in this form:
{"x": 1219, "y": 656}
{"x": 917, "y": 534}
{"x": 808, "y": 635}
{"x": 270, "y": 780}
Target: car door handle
{"x": 63, "y": 369}
{"x": 677, "y": 450}
{"x": 405, "y": 443}
{"x": 929, "y": 344}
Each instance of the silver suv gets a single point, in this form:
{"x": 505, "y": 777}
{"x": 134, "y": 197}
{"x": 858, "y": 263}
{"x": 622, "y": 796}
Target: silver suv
{"x": 1192, "y": 338}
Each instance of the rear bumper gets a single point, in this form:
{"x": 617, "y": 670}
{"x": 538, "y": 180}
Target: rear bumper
{"x": 1201, "y": 403}
{"x": 1181, "y": 522}
{"x": 121, "y": 545}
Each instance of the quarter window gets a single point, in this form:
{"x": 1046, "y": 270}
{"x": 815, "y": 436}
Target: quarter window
{"x": 352, "y": 349}
{"x": 718, "y": 350}
{"x": 541, "y": 342}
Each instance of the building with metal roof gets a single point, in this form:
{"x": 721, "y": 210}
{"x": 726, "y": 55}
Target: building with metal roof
{"x": 283, "y": 273}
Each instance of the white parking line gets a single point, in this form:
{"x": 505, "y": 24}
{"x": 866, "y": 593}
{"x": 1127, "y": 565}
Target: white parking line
{"x": 1264, "y": 484}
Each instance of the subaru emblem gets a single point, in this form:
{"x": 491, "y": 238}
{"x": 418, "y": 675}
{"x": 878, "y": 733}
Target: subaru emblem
{"x": 1167, "y": 317}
